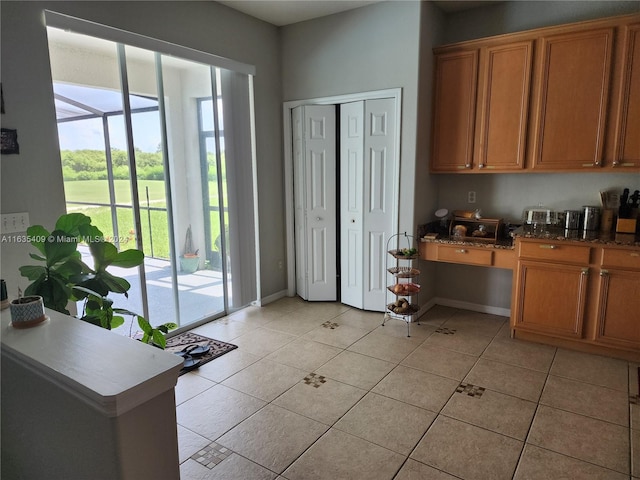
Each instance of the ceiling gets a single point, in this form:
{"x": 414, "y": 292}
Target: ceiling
{"x": 285, "y": 12}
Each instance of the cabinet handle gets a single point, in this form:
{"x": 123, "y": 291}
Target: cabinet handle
{"x": 615, "y": 163}
{"x": 467, "y": 165}
{"x": 549, "y": 247}
{"x": 318, "y": 218}
{"x": 585, "y": 271}
{"x": 481, "y": 165}
{"x": 604, "y": 273}
{"x": 461, "y": 250}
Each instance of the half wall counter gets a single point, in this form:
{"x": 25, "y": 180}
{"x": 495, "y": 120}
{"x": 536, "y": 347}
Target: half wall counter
{"x": 82, "y": 402}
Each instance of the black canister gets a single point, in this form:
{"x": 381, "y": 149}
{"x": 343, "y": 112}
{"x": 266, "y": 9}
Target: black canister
{"x": 591, "y": 218}
{"x": 572, "y": 219}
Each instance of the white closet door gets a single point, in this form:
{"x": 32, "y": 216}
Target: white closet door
{"x": 299, "y": 182}
{"x": 315, "y": 197}
{"x": 351, "y": 203}
{"x": 380, "y": 194}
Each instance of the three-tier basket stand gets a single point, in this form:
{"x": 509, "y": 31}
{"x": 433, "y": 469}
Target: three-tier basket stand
{"x": 401, "y": 297}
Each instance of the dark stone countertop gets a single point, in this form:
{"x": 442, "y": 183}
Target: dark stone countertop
{"x": 586, "y": 236}
{"x": 504, "y": 244}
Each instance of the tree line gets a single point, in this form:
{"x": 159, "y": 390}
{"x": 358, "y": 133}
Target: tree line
{"x": 92, "y": 165}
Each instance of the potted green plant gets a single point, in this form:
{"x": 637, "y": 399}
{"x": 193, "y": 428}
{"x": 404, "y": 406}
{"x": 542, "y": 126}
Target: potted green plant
{"x": 63, "y": 277}
{"x": 190, "y": 260}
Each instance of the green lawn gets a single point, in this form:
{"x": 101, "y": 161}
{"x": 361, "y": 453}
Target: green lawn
{"x": 154, "y": 228}
{"x": 97, "y": 191}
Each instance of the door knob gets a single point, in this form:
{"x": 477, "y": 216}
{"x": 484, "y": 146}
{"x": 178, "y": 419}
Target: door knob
{"x": 353, "y": 220}
{"x": 318, "y": 218}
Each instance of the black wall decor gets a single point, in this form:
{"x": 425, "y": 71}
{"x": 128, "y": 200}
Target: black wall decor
{"x": 9, "y": 141}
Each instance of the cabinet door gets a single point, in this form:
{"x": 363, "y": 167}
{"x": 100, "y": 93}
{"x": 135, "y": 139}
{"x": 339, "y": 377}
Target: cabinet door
{"x": 454, "y": 111}
{"x": 619, "y": 308}
{"x": 504, "y": 106}
{"x": 627, "y": 133}
{"x": 572, "y": 96}
{"x": 550, "y": 298}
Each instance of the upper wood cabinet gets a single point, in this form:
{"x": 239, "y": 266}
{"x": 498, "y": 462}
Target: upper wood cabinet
{"x": 503, "y": 106}
{"x": 562, "y": 98}
{"x": 487, "y": 130}
{"x": 572, "y": 98}
{"x": 627, "y": 126}
{"x": 454, "y": 110}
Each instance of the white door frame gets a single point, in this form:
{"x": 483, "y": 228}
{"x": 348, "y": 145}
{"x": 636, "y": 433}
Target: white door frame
{"x": 395, "y": 93}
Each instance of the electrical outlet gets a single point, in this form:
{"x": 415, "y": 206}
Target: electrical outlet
{"x": 14, "y": 222}
{"x": 280, "y": 265}
{"x": 471, "y": 197}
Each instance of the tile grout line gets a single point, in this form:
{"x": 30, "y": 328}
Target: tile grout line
{"x": 535, "y": 413}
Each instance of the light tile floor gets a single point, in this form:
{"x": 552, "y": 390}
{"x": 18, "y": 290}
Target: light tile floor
{"x": 323, "y": 391}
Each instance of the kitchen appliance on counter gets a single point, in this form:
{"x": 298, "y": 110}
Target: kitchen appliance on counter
{"x": 591, "y": 217}
{"x": 541, "y": 217}
{"x": 572, "y": 219}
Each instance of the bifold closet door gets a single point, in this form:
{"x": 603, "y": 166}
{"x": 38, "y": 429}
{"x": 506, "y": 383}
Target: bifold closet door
{"x": 314, "y": 156}
{"x": 367, "y": 199}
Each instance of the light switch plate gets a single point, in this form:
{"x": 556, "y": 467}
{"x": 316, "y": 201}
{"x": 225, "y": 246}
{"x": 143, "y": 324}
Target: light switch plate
{"x": 14, "y": 222}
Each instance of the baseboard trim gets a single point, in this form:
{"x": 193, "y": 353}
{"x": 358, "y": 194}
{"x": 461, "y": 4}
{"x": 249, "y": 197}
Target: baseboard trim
{"x": 271, "y": 298}
{"x": 474, "y": 307}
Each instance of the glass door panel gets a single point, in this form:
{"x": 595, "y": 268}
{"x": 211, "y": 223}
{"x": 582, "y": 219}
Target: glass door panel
{"x": 150, "y": 186}
{"x": 143, "y": 152}
{"x": 200, "y": 291}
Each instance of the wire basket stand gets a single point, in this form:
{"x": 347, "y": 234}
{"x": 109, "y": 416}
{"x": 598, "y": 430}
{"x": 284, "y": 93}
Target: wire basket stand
{"x": 402, "y": 297}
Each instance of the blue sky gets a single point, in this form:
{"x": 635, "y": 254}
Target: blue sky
{"x": 88, "y": 134}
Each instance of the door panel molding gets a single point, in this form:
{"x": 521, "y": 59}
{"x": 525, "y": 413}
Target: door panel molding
{"x": 396, "y": 95}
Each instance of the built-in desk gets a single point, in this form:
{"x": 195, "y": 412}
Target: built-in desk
{"x": 80, "y": 402}
{"x": 468, "y": 253}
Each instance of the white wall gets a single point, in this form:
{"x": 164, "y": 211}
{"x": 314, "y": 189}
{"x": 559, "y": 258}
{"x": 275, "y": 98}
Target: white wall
{"x": 373, "y": 48}
{"x": 506, "y": 195}
{"x": 32, "y": 181}
{"x": 370, "y": 48}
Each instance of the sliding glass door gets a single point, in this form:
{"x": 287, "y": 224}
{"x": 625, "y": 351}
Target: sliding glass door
{"x": 143, "y": 151}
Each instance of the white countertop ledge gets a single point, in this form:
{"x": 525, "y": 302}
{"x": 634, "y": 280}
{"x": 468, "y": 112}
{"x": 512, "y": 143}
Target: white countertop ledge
{"x": 108, "y": 371}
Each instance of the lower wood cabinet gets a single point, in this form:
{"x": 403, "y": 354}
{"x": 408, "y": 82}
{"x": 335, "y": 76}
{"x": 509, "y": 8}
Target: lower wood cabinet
{"x": 618, "y": 311}
{"x": 578, "y": 295}
{"x": 551, "y": 298}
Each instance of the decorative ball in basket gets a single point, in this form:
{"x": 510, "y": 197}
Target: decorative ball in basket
{"x": 27, "y": 311}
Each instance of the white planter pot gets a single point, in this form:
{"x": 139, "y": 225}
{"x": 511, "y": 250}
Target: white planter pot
{"x": 27, "y": 311}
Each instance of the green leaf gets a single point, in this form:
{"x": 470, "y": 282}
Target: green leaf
{"x": 68, "y": 268}
{"x": 128, "y": 259}
{"x": 87, "y": 291}
{"x": 90, "y": 233}
{"x": 37, "y": 257}
{"x": 103, "y": 254}
{"x": 113, "y": 283}
{"x": 158, "y": 339}
{"x": 92, "y": 319}
{"x": 59, "y": 246}
{"x": 71, "y": 222}
{"x": 145, "y": 338}
{"x": 33, "y": 272}
{"x": 116, "y": 321}
{"x": 38, "y": 232}
{"x": 170, "y": 325}
{"x": 145, "y": 326}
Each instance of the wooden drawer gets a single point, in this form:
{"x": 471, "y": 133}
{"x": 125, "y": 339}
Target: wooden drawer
{"x": 555, "y": 252}
{"x": 461, "y": 254}
{"x": 622, "y": 258}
